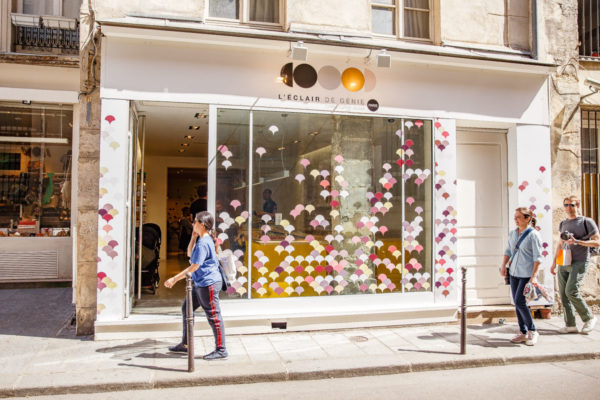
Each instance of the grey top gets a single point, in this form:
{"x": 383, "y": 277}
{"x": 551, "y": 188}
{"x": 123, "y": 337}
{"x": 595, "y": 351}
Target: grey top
{"x": 576, "y": 227}
{"x": 530, "y": 251}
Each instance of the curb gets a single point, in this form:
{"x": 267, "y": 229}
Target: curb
{"x": 292, "y": 376}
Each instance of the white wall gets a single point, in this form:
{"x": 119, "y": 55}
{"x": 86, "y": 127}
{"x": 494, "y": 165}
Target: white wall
{"x": 156, "y": 169}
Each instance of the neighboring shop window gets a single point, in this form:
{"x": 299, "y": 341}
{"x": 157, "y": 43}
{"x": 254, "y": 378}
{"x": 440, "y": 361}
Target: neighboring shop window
{"x": 249, "y": 11}
{"x": 590, "y": 174}
{"x": 35, "y": 170}
{"x": 403, "y": 18}
{"x": 340, "y": 204}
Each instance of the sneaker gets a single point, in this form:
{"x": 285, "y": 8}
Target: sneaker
{"x": 216, "y": 355}
{"x": 532, "y": 338}
{"x": 568, "y": 329}
{"x": 180, "y": 348}
{"x": 520, "y": 338}
{"x": 589, "y": 325}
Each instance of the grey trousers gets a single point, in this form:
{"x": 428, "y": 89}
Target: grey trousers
{"x": 569, "y": 281}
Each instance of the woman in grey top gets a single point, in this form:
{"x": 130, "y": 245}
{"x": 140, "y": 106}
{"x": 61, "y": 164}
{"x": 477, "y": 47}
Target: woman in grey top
{"x": 521, "y": 262}
{"x": 582, "y": 235}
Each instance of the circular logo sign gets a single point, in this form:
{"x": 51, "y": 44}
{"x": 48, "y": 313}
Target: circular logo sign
{"x": 373, "y": 105}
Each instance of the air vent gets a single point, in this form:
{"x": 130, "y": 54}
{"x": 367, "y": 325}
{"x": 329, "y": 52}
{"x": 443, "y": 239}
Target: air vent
{"x": 25, "y": 265}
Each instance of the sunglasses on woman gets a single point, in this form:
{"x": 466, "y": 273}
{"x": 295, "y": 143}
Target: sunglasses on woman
{"x": 568, "y": 205}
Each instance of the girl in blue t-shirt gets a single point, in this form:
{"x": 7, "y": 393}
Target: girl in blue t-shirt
{"x": 204, "y": 266}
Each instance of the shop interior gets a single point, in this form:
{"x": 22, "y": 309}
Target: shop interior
{"x": 35, "y": 169}
{"x": 172, "y": 150}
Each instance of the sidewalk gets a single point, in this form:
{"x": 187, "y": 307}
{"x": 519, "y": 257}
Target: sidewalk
{"x": 45, "y": 363}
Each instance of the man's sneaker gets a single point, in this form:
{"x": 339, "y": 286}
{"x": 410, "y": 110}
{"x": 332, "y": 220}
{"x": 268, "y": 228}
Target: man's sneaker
{"x": 532, "y": 338}
{"x": 216, "y": 355}
{"x": 568, "y": 329}
{"x": 589, "y": 325}
{"x": 520, "y": 338}
{"x": 180, "y": 348}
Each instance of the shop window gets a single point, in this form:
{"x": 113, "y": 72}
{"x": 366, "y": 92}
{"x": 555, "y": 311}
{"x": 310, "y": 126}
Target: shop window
{"x": 320, "y": 205}
{"x": 402, "y": 18}
{"x": 246, "y": 11}
{"x": 590, "y": 175}
{"x": 35, "y": 170}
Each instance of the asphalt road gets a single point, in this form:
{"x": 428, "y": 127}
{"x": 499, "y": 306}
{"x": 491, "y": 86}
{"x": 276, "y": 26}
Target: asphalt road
{"x": 569, "y": 380}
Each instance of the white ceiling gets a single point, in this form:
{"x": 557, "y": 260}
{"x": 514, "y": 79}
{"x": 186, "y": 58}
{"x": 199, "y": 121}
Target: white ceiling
{"x": 167, "y": 124}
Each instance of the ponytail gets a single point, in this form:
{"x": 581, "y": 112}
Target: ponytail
{"x": 208, "y": 222}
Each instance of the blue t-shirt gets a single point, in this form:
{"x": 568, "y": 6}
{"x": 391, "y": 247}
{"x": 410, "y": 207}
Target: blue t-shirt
{"x": 205, "y": 255}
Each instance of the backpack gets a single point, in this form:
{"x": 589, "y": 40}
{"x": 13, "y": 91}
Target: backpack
{"x": 592, "y": 250}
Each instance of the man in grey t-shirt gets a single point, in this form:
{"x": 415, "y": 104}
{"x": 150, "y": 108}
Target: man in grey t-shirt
{"x": 583, "y": 235}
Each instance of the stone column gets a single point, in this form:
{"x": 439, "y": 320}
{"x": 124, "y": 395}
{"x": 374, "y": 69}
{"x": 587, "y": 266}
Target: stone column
{"x": 87, "y": 191}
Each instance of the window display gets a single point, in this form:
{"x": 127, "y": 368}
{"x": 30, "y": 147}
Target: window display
{"x": 35, "y": 169}
{"x": 336, "y": 204}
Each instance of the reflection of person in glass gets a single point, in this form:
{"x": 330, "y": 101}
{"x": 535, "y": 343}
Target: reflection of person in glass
{"x": 269, "y": 206}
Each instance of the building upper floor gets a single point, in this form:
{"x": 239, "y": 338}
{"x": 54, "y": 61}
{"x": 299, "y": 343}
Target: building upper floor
{"x": 40, "y": 27}
{"x": 509, "y": 28}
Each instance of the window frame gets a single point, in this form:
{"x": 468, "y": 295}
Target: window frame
{"x": 399, "y": 8}
{"x": 244, "y": 17}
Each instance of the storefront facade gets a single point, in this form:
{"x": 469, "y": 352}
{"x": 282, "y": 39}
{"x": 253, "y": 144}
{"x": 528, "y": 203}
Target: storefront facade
{"x": 336, "y": 183}
{"x": 38, "y": 110}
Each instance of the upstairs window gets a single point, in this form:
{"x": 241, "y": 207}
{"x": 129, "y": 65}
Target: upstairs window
{"x": 246, "y": 11}
{"x": 589, "y": 29}
{"x": 409, "y": 19}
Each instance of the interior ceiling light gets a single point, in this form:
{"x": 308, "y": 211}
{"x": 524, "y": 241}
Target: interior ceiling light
{"x": 297, "y": 141}
{"x": 315, "y": 133}
{"x": 299, "y": 52}
{"x": 384, "y": 60}
{"x": 189, "y": 137}
{"x": 185, "y": 144}
{"x": 281, "y": 148}
{"x": 199, "y": 115}
{"x": 181, "y": 150}
{"x": 273, "y": 129}
{"x": 194, "y": 127}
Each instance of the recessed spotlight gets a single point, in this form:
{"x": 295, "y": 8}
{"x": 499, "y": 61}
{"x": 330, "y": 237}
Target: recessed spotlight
{"x": 315, "y": 133}
{"x": 296, "y": 141}
{"x": 193, "y": 127}
{"x": 189, "y": 137}
{"x": 199, "y": 115}
{"x": 185, "y": 144}
{"x": 281, "y": 148}
{"x": 181, "y": 150}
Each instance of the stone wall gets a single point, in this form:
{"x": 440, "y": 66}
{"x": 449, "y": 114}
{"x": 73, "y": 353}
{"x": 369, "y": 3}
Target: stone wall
{"x": 88, "y": 177}
{"x": 504, "y": 23}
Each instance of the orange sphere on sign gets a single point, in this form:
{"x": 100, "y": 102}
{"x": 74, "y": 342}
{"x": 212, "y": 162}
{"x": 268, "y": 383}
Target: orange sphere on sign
{"x": 353, "y": 79}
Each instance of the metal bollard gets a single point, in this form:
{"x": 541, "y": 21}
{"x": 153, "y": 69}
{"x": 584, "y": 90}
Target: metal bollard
{"x": 463, "y": 313}
{"x": 189, "y": 320}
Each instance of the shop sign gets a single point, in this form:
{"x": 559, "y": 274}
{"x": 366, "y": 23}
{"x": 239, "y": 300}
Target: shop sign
{"x": 331, "y": 79}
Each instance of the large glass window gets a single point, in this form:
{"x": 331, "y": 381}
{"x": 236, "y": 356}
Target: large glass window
{"x": 35, "y": 169}
{"x": 339, "y": 204}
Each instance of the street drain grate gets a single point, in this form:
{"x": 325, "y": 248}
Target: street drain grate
{"x": 358, "y": 338}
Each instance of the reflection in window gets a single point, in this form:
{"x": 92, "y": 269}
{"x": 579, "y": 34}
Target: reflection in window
{"x": 35, "y": 170}
{"x": 339, "y": 204}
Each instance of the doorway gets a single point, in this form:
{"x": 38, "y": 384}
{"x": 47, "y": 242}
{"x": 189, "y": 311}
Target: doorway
{"x": 482, "y": 206}
{"x": 172, "y": 148}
